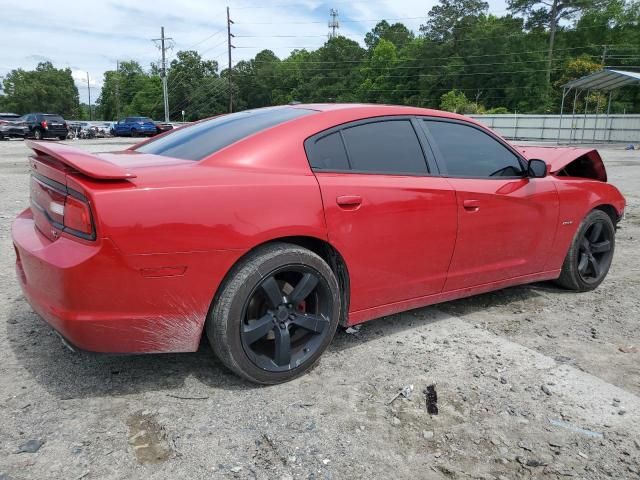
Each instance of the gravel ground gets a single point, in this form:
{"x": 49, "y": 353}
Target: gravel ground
{"x": 532, "y": 382}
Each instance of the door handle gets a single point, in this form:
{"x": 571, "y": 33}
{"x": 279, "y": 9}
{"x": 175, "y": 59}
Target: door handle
{"x": 349, "y": 201}
{"x": 471, "y": 205}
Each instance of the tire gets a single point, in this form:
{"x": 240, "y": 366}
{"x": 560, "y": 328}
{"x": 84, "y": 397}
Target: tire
{"x": 134, "y": 132}
{"x": 589, "y": 257}
{"x": 249, "y": 334}
{"x": 62, "y": 137}
{"x": 37, "y": 134}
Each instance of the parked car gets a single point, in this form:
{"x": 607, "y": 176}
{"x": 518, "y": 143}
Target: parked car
{"x": 162, "y": 127}
{"x": 134, "y": 127}
{"x": 12, "y": 126}
{"x": 266, "y": 229}
{"x": 45, "y": 125}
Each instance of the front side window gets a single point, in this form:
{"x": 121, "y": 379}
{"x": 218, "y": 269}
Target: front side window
{"x": 389, "y": 146}
{"x": 469, "y": 152}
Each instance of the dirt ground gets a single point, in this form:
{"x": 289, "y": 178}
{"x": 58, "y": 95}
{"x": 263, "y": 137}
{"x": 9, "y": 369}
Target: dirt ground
{"x": 532, "y": 382}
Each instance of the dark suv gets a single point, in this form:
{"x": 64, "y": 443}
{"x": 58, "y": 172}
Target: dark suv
{"x": 45, "y": 125}
{"x": 12, "y": 126}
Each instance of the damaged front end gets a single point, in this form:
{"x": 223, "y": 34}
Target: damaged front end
{"x": 569, "y": 161}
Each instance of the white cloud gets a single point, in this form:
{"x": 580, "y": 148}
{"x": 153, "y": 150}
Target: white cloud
{"x": 92, "y": 36}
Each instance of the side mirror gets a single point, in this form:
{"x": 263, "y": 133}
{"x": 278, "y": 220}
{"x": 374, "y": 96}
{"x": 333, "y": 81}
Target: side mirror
{"x": 537, "y": 168}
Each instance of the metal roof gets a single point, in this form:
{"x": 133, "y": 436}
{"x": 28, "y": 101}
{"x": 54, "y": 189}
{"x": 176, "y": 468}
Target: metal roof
{"x": 604, "y": 80}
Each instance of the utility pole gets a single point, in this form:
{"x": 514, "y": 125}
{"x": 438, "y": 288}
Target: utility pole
{"x": 334, "y": 25}
{"x": 163, "y": 71}
{"x": 89, "y": 90}
{"x": 117, "y": 89}
{"x": 552, "y": 36}
{"x": 604, "y": 55}
{"x": 229, "y": 47}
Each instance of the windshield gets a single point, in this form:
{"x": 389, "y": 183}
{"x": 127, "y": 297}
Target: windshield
{"x": 200, "y": 140}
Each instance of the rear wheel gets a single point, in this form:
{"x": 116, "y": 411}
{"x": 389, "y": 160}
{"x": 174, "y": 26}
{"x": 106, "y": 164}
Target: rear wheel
{"x": 276, "y": 314}
{"x": 589, "y": 258}
{"x": 37, "y": 134}
{"x": 62, "y": 137}
{"x": 134, "y": 132}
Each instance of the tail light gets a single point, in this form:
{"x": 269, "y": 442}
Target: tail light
{"x": 64, "y": 124}
{"x": 77, "y": 216}
{"x": 43, "y": 124}
{"x": 60, "y": 207}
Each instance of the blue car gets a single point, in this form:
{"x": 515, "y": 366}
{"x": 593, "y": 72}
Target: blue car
{"x": 134, "y": 127}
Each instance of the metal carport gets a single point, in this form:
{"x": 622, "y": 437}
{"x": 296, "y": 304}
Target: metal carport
{"x": 606, "y": 80}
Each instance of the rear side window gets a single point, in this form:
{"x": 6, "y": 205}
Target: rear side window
{"x": 328, "y": 153}
{"x": 389, "y": 146}
{"x": 470, "y": 152}
{"x": 200, "y": 140}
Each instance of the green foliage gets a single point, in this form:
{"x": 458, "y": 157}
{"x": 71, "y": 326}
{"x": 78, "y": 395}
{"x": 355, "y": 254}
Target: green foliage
{"x": 497, "y": 111}
{"x": 451, "y": 15}
{"x": 45, "y": 89}
{"x": 462, "y": 60}
{"x": 454, "y": 101}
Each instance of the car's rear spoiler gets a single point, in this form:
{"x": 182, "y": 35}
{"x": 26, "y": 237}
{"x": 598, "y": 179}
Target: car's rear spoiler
{"x": 84, "y": 162}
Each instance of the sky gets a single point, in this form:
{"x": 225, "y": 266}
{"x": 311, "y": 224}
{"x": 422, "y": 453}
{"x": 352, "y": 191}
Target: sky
{"x": 90, "y": 37}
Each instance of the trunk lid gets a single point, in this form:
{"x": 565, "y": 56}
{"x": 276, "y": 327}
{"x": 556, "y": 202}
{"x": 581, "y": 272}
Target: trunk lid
{"x": 59, "y": 202}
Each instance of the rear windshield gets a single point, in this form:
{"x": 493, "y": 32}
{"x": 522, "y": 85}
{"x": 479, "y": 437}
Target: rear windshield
{"x": 197, "y": 141}
{"x": 53, "y": 118}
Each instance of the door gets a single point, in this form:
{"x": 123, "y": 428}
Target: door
{"x": 394, "y": 224}
{"x": 506, "y": 220}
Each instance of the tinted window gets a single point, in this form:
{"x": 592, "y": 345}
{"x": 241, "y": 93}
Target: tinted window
{"x": 204, "y": 138}
{"x": 469, "y": 152}
{"x": 328, "y": 153}
{"x": 53, "y": 118}
{"x": 387, "y": 147}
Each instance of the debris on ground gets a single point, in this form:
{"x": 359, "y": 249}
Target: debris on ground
{"x": 32, "y": 446}
{"x": 568, "y": 426}
{"x": 432, "y": 399}
{"x": 628, "y": 349}
{"x": 405, "y": 392}
{"x": 353, "y": 330}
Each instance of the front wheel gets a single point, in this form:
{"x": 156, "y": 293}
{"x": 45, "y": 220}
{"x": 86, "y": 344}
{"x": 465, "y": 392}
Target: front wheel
{"x": 275, "y": 314}
{"x": 589, "y": 258}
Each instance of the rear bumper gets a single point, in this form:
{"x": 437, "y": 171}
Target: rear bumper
{"x": 103, "y": 301}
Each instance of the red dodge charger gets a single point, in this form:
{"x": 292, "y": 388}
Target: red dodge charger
{"x": 268, "y": 228}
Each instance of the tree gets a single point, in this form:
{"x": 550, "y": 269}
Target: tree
{"x": 454, "y": 101}
{"x": 397, "y": 34}
{"x": 186, "y": 72}
{"x": 449, "y": 15}
{"x": 550, "y": 12}
{"x": 45, "y": 89}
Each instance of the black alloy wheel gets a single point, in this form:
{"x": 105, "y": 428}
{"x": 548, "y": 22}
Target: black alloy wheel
{"x": 590, "y": 254}
{"x": 275, "y": 313}
{"x": 286, "y": 318}
{"x": 594, "y": 252}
